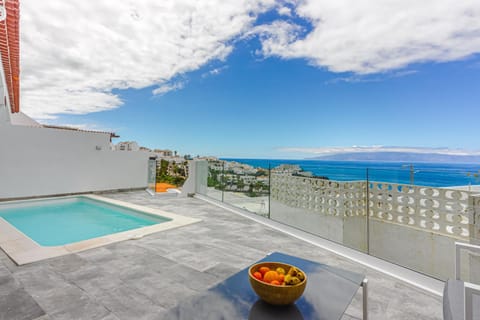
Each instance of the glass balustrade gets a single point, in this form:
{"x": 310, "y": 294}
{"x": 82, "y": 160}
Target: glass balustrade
{"x": 407, "y": 214}
{"x": 215, "y": 181}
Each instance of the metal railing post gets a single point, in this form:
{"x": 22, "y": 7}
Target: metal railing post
{"x": 222, "y": 181}
{"x": 365, "y": 298}
{"x": 269, "y": 188}
{"x": 367, "y": 204}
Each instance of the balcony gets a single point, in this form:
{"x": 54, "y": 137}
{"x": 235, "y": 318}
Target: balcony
{"x": 142, "y": 279}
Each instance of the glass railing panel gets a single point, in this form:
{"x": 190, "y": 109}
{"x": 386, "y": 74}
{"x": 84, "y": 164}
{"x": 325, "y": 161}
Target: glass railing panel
{"x": 417, "y": 213}
{"x": 247, "y": 186}
{"x": 327, "y": 199}
{"x": 152, "y": 175}
{"x": 215, "y": 180}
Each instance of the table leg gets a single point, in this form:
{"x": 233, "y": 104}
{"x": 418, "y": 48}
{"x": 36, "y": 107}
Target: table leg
{"x": 365, "y": 298}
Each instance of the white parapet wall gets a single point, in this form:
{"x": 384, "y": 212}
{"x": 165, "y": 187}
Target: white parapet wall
{"x": 39, "y": 161}
{"x": 412, "y": 226}
{"x": 417, "y": 226}
{"x": 330, "y": 209}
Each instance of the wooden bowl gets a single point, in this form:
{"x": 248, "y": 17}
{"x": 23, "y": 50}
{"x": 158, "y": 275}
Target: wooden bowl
{"x": 273, "y": 294}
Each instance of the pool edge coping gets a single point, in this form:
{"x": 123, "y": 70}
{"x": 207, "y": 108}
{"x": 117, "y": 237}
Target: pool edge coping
{"x": 23, "y": 250}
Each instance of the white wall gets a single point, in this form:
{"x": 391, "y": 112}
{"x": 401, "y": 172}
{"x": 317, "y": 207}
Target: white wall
{"x": 197, "y": 178}
{"x": 422, "y": 251}
{"x": 44, "y": 161}
{"x": 4, "y": 107}
{"x": 4, "y": 114}
{"x": 349, "y": 231}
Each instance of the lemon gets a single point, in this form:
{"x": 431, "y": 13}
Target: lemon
{"x": 280, "y": 270}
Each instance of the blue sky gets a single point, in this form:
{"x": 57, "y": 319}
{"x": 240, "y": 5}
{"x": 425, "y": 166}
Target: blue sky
{"x": 270, "y": 93}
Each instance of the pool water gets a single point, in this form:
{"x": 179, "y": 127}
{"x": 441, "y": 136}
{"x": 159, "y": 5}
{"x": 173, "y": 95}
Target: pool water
{"x": 63, "y": 221}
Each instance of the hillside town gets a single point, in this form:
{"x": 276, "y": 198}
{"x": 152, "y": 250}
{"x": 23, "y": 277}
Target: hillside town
{"x": 223, "y": 175}
{"x": 237, "y": 177}
{"x": 240, "y": 177}
{"x": 172, "y": 168}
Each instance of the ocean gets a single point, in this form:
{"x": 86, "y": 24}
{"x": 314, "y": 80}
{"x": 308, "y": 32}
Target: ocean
{"x": 422, "y": 174}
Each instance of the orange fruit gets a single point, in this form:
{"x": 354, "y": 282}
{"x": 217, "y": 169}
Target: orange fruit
{"x": 281, "y": 277}
{"x": 275, "y": 282}
{"x": 270, "y": 276}
{"x": 258, "y": 275}
{"x": 264, "y": 270}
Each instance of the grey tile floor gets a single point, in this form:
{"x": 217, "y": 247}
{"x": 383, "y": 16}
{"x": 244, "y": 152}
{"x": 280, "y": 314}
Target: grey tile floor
{"x": 141, "y": 279}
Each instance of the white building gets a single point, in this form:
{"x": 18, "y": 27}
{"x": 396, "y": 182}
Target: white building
{"x": 41, "y": 160}
{"x": 248, "y": 179}
{"x": 127, "y": 146}
{"x": 163, "y": 153}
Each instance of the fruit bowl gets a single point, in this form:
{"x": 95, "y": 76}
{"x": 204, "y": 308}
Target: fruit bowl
{"x": 280, "y": 292}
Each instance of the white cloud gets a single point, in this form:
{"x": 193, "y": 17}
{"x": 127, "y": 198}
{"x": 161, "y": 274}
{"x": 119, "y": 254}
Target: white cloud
{"x": 356, "y": 78}
{"x": 365, "y": 36}
{"x": 284, "y": 11}
{"x": 164, "y": 88}
{"x": 339, "y": 150}
{"x": 276, "y": 37}
{"x": 403, "y": 73}
{"x": 73, "y": 53}
{"x": 214, "y": 72}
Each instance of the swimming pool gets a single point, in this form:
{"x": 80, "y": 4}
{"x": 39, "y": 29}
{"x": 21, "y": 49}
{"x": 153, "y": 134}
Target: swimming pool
{"x": 64, "y": 221}
{"x": 33, "y": 230}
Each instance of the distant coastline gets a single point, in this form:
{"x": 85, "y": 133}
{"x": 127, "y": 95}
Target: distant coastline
{"x": 401, "y": 157}
{"x": 435, "y": 174}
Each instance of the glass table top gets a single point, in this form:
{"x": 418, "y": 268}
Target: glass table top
{"x": 328, "y": 293}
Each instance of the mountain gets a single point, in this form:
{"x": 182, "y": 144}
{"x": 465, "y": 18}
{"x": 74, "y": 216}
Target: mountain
{"x": 400, "y": 157}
